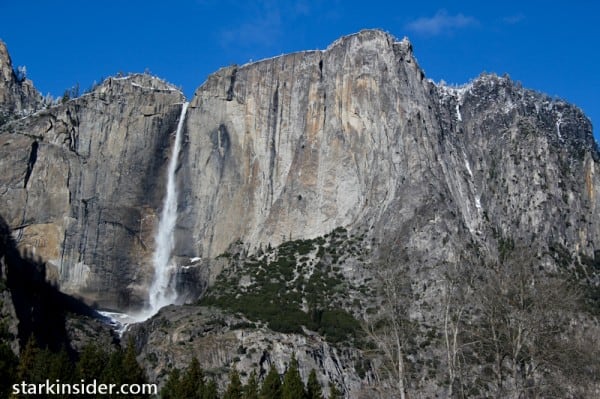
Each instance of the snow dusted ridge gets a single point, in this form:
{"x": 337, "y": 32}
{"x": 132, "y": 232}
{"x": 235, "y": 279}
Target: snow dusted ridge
{"x": 404, "y": 42}
{"x": 145, "y": 81}
{"x": 447, "y": 90}
{"x": 467, "y": 165}
{"x": 453, "y": 93}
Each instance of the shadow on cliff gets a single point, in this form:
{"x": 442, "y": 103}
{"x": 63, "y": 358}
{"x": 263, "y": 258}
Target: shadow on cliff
{"x": 40, "y": 307}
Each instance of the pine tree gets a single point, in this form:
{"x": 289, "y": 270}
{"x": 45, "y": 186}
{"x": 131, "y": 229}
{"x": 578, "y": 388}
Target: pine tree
{"x": 171, "y": 388}
{"x": 292, "y": 387}
{"x": 251, "y": 387}
{"x": 113, "y": 372}
{"x": 38, "y": 365}
{"x": 41, "y": 367}
{"x": 234, "y": 389}
{"x": 134, "y": 374}
{"x": 132, "y": 371}
{"x": 27, "y": 360}
{"x": 192, "y": 382}
{"x": 313, "y": 388}
{"x": 271, "y": 387}
{"x": 210, "y": 391}
{"x": 56, "y": 367}
{"x": 60, "y": 367}
{"x": 92, "y": 362}
{"x": 8, "y": 363}
{"x": 334, "y": 393}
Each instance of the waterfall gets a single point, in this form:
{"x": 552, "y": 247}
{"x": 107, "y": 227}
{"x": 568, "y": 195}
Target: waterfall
{"x": 161, "y": 292}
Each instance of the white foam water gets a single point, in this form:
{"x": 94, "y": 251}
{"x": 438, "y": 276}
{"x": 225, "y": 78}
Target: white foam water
{"x": 161, "y": 292}
{"x": 120, "y": 321}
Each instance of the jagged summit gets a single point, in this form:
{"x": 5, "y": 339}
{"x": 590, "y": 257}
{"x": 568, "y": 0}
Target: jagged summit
{"x": 5, "y": 62}
{"x": 367, "y": 35}
{"x": 366, "y": 40}
{"x": 139, "y": 80}
{"x": 18, "y": 96}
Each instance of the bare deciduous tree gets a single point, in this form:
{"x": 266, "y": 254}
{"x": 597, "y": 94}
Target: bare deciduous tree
{"x": 457, "y": 298}
{"x": 391, "y": 329}
{"x": 521, "y": 326}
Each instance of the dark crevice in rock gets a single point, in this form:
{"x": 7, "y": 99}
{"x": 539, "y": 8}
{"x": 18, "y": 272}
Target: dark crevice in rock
{"x": 131, "y": 231}
{"x": 321, "y": 69}
{"x": 221, "y": 144}
{"x": 31, "y": 162}
{"x": 73, "y": 129}
{"x": 50, "y": 125}
{"x": 264, "y": 363}
{"x": 69, "y": 183}
{"x": 324, "y": 109}
{"x": 231, "y": 84}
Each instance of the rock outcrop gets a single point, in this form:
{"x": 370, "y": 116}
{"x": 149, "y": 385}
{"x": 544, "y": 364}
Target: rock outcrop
{"x": 18, "y": 96}
{"x": 177, "y": 334}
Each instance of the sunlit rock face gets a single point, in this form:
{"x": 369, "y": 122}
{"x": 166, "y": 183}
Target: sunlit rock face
{"x": 293, "y": 147}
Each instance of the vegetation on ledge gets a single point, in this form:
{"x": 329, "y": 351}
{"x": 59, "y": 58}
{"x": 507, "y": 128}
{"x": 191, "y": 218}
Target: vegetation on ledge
{"x": 297, "y": 284}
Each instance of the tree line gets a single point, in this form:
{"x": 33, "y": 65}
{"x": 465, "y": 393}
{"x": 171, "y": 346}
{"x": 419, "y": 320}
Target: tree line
{"x": 35, "y": 365}
{"x": 192, "y": 383}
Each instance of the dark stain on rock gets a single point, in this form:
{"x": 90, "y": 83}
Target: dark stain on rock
{"x": 31, "y": 162}
{"x": 231, "y": 84}
{"x": 321, "y": 69}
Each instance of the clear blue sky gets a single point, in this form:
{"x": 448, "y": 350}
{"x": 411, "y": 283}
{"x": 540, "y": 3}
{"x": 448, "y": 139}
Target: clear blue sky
{"x": 550, "y": 46}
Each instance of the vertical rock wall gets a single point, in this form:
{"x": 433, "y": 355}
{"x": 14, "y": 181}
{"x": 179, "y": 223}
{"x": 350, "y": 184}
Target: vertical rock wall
{"x": 86, "y": 183}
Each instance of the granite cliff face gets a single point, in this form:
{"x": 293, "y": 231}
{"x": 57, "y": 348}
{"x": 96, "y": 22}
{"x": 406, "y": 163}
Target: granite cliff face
{"x": 297, "y": 145}
{"x": 292, "y": 148}
{"x": 179, "y": 333}
{"x": 84, "y": 185}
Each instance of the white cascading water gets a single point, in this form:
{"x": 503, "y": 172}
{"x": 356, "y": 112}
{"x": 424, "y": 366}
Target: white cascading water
{"x": 160, "y": 292}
